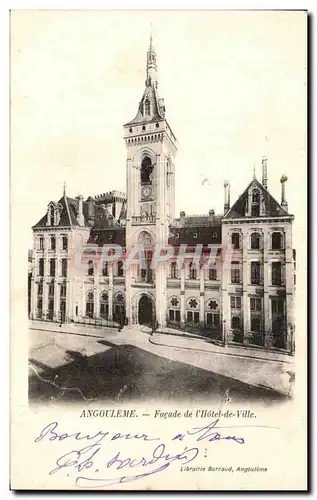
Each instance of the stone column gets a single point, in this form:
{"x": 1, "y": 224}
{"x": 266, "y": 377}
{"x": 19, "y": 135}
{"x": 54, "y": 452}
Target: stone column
{"x": 182, "y": 275}
{"x": 33, "y": 298}
{"x": 160, "y": 275}
{"x": 268, "y": 339}
{"x": 225, "y": 275}
{"x": 83, "y": 301}
{"x": 56, "y": 279}
{"x": 289, "y": 286}
{"x": 129, "y": 178}
{"x": 45, "y": 298}
{"x": 110, "y": 268}
{"x": 96, "y": 299}
{"x": 202, "y": 298}
{"x": 246, "y": 301}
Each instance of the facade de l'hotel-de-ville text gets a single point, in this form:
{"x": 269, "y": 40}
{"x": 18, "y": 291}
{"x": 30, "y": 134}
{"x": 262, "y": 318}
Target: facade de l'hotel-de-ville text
{"x": 229, "y": 276}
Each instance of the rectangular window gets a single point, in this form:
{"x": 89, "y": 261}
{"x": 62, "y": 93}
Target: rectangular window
{"x": 173, "y": 270}
{"x": 41, "y": 267}
{"x": 53, "y": 243}
{"x": 51, "y": 290}
{"x": 64, "y": 243}
{"x": 105, "y": 269}
{"x": 276, "y": 273}
{"x": 255, "y": 273}
{"x": 277, "y": 306}
{"x": 63, "y": 290}
{"x": 52, "y": 267}
{"x": 40, "y": 289}
{"x": 174, "y": 315}
{"x": 90, "y": 268}
{"x": 64, "y": 268}
{"x": 120, "y": 268}
{"x": 212, "y": 319}
{"x": 193, "y": 317}
{"x": 235, "y": 302}
{"x": 213, "y": 274}
{"x": 235, "y": 275}
{"x": 39, "y": 306}
{"x": 192, "y": 272}
{"x": 256, "y": 304}
{"x": 41, "y": 243}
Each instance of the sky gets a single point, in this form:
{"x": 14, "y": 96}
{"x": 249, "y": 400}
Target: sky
{"x": 234, "y": 85}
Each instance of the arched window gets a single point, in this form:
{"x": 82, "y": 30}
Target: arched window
{"x": 147, "y": 107}
{"x": 174, "y": 314}
{"x": 192, "y": 275}
{"x": 90, "y": 304}
{"x": 174, "y": 270}
{"x": 255, "y": 196}
{"x": 90, "y": 268}
{"x": 146, "y": 170}
{"x": 212, "y": 314}
{"x": 104, "y": 305}
{"x": 255, "y": 241}
{"x": 235, "y": 241}
{"x": 119, "y": 308}
{"x": 276, "y": 241}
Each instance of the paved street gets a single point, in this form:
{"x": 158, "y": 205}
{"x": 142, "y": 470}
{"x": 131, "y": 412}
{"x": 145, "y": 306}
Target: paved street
{"x": 125, "y": 366}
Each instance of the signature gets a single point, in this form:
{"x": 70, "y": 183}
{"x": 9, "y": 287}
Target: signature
{"x": 90, "y": 461}
{"x": 83, "y": 459}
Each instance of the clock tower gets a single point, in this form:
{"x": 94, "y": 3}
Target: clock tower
{"x": 150, "y": 169}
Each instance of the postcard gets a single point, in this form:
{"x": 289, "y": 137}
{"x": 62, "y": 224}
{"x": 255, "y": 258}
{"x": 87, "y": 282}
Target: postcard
{"x": 158, "y": 250}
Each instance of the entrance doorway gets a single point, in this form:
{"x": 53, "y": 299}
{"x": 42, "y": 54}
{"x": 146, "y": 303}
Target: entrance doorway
{"x": 146, "y": 312}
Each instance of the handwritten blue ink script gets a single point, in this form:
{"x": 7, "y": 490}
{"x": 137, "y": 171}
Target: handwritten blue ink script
{"x": 91, "y": 465}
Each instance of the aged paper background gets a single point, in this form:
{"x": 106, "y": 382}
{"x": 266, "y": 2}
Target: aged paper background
{"x": 41, "y": 161}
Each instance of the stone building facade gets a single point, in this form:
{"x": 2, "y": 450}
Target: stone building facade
{"x": 230, "y": 276}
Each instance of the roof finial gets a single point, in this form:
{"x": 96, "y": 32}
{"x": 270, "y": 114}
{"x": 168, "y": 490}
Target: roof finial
{"x": 151, "y": 37}
{"x": 254, "y": 176}
{"x": 64, "y": 188}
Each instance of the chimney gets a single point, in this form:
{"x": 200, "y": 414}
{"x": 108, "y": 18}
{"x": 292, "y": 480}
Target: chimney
{"x": 182, "y": 217}
{"x": 264, "y": 172}
{"x": 226, "y": 206}
{"x": 91, "y": 211}
{"x": 80, "y": 216}
{"x": 284, "y": 203}
{"x": 211, "y": 214}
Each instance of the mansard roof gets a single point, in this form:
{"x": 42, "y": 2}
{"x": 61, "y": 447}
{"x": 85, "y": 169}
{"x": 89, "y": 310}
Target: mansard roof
{"x": 272, "y": 207}
{"x": 196, "y": 230}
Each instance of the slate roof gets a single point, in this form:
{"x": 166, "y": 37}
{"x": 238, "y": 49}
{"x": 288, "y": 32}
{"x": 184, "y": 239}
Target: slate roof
{"x": 272, "y": 207}
{"x": 157, "y": 110}
{"x": 68, "y": 215}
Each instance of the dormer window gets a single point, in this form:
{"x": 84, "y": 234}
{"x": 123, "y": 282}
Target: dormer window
{"x": 255, "y": 196}
{"x": 53, "y": 214}
{"x": 255, "y": 207}
{"x": 147, "y": 107}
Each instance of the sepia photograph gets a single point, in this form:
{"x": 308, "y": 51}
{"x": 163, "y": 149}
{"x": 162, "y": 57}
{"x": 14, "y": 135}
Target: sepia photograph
{"x": 158, "y": 163}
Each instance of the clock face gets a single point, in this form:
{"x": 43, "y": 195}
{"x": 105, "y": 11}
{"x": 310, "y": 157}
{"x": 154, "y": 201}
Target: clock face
{"x": 146, "y": 191}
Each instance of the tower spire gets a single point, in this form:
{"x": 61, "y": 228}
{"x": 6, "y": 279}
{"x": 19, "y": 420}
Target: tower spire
{"x": 151, "y": 67}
